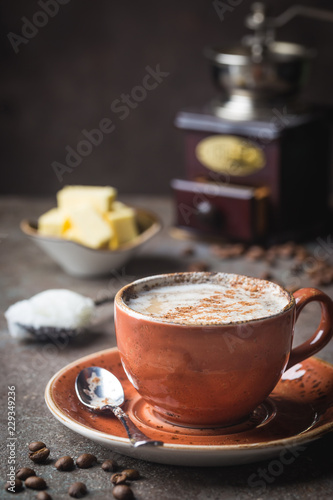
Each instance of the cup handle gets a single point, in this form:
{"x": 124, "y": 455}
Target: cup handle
{"x": 324, "y": 332}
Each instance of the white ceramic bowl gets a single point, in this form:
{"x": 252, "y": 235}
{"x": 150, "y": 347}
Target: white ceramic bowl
{"x": 84, "y": 262}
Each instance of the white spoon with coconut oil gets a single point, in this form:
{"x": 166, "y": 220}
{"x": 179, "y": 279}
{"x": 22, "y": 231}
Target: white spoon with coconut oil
{"x": 52, "y": 314}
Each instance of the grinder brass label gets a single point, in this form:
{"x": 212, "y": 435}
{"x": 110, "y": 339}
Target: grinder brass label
{"x": 229, "y": 154}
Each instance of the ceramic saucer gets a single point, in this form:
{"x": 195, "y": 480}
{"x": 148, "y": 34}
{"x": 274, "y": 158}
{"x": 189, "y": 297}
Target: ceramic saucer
{"x": 299, "y": 410}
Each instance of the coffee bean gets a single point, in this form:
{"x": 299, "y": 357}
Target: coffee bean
{"x": 270, "y": 257}
{"x": 36, "y": 445}
{"x": 42, "y": 495}
{"x": 323, "y": 277}
{"x": 64, "y": 463}
{"x": 297, "y": 268}
{"x": 316, "y": 279}
{"x": 39, "y": 456}
{"x": 77, "y": 490}
{"x": 301, "y": 254}
{"x": 330, "y": 273}
{"x": 266, "y": 275}
{"x": 188, "y": 251}
{"x": 197, "y": 267}
{"x": 35, "y": 483}
{"x": 228, "y": 251}
{"x": 122, "y": 492}
{"x": 287, "y": 250}
{"x": 316, "y": 267}
{"x": 255, "y": 253}
{"x": 86, "y": 460}
{"x": 221, "y": 252}
{"x": 14, "y": 488}
{"x": 118, "y": 478}
{"x": 25, "y": 472}
{"x": 236, "y": 250}
{"x": 109, "y": 465}
{"x": 131, "y": 473}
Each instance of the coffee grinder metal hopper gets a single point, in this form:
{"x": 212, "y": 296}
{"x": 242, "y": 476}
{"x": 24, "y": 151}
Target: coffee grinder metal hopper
{"x": 257, "y": 159}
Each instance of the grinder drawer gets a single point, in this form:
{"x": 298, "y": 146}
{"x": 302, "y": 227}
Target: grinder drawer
{"x": 223, "y": 210}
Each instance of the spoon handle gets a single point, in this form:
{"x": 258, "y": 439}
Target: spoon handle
{"x": 136, "y": 437}
{"x": 104, "y": 300}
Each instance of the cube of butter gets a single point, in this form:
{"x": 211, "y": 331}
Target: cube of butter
{"x": 123, "y": 224}
{"x": 88, "y": 227}
{"x": 53, "y": 223}
{"x": 99, "y": 197}
{"x": 118, "y": 205}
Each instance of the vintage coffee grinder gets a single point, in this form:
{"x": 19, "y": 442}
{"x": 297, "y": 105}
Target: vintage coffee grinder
{"x": 257, "y": 159}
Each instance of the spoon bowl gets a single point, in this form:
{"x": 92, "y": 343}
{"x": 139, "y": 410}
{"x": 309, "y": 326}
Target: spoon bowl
{"x": 97, "y": 388}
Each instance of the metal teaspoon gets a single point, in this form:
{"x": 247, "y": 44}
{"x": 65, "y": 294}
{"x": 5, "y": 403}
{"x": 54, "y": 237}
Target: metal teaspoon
{"x": 99, "y": 389}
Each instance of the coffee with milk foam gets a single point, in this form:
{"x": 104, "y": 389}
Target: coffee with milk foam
{"x": 202, "y": 299}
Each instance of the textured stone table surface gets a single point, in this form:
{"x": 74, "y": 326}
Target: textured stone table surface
{"x": 25, "y": 271}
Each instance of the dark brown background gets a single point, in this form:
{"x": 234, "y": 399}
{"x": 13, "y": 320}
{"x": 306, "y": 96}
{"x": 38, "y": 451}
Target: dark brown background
{"x": 66, "y": 77}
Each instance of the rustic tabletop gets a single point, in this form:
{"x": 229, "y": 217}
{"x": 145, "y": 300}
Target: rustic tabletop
{"x": 26, "y": 270}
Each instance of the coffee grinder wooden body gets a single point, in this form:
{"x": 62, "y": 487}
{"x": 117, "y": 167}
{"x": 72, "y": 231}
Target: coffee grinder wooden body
{"x": 254, "y": 180}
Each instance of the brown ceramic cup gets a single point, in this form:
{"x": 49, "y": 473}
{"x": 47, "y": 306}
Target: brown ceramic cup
{"x": 211, "y": 375}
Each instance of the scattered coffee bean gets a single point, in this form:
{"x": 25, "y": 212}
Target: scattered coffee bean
{"x": 35, "y": 483}
{"x": 266, "y": 275}
{"x": 122, "y": 492}
{"x": 86, "y": 460}
{"x": 228, "y": 251}
{"x": 14, "y": 488}
{"x": 297, "y": 268}
{"x": 255, "y": 253}
{"x": 197, "y": 267}
{"x": 329, "y": 273}
{"x": 25, "y": 472}
{"x": 220, "y": 252}
{"x": 270, "y": 257}
{"x": 109, "y": 465}
{"x": 39, "y": 456}
{"x": 77, "y": 490}
{"x": 118, "y": 478}
{"x": 236, "y": 250}
{"x": 323, "y": 277}
{"x": 131, "y": 473}
{"x": 320, "y": 272}
{"x": 287, "y": 250}
{"x": 301, "y": 254}
{"x": 64, "y": 463}
{"x": 303, "y": 262}
{"x": 36, "y": 445}
{"x": 188, "y": 251}
{"x": 316, "y": 267}
{"x": 42, "y": 495}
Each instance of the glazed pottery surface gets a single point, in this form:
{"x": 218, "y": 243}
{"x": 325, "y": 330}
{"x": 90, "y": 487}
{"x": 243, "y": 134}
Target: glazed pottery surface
{"x": 203, "y": 376}
{"x": 299, "y": 410}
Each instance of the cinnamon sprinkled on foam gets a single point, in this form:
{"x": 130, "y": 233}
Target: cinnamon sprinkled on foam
{"x": 224, "y": 298}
